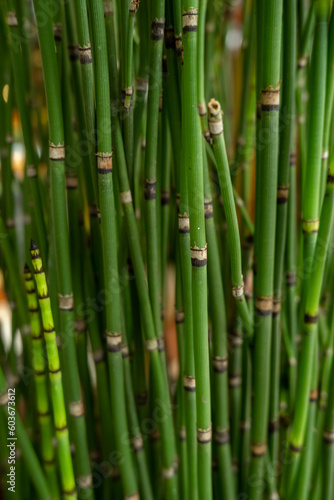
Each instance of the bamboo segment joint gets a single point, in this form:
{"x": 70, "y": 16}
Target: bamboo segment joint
{"x": 85, "y": 481}
{"x": 114, "y": 341}
{"x": 198, "y": 256}
{"x": 222, "y": 436}
{"x": 208, "y": 209}
{"x": 76, "y": 409}
{"x": 142, "y": 84}
{"x": 137, "y": 443}
{"x": 184, "y": 226}
{"x": 108, "y": 9}
{"x": 295, "y": 449}
{"x": 161, "y": 345}
{"x": 125, "y": 197}
{"x": 80, "y": 325}
{"x": 125, "y": 351}
{"x": 201, "y": 109}
{"x": 235, "y": 380}
{"x": 56, "y": 152}
{"x": 258, "y": 450}
{"x": 292, "y": 159}
{"x": 4, "y": 398}
{"x": 189, "y": 383}
{"x": 165, "y": 197}
{"x": 85, "y": 54}
{"x": 310, "y": 319}
{"x": 168, "y": 473}
{"x": 190, "y": 20}
{"x": 270, "y": 98}
{"x": 12, "y": 20}
{"x": 65, "y": 302}
{"x": 134, "y": 4}
{"x": 302, "y": 62}
{"x": 310, "y": 225}
{"x": 291, "y": 278}
{"x": 98, "y": 356}
{"x": 104, "y": 163}
{"x": 328, "y": 436}
{"x": 264, "y": 305}
{"x": 204, "y": 435}
{"x": 150, "y": 189}
{"x": 71, "y": 182}
{"x": 169, "y": 38}
{"x": 276, "y": 306}
{"x": 219, "y": 364}
{"x": 178, "y": 44}
{"x": 313, "y": 395}
{"x": 325, "y": 155}
{"x": 57, "y": 32}
{"x": 179, "y": 317}
{"x": 151, "y": 344}
{"x": 73, "y": 52}
{"x": 31, "y": 171}
{"x": 215, "y": 118}
{"x": 282, "y": 194}
{"x": 238, "y": 291}
{"x": 157, "y": 29}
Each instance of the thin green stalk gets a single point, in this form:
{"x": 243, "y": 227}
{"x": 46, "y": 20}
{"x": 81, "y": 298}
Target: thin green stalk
{"x": 216, "y": 131}
{"x": 109, "y": 248}
{"x": 265, "y": 222}
{"x": 193, "y": 164}
{"x": 289, "y": 48}
{"x": 59, "y": 221}
{"x": 42, "y": 401}
{"x": 57, "y": 395}
{"x": 328, "y": 448}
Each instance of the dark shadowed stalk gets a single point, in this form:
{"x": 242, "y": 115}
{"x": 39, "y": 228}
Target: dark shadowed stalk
{"x": 55, "y": 374}
{"x": 265, "y": 219}
{"x": 193, "y": 164}
{"x": 289, "y": 48}
{"x": 24, "y": 442}
{"x": 61, "y": 239}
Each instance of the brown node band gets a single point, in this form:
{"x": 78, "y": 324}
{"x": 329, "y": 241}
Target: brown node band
{"x": 330, "y": 178}
{"x": 31, "y": 171}
{"x": 282, "y": 195}
{"x": 125, "y": 197}
{"x": 179, "y": 317}
{"x": 161, "y": 344}
{"x": 184, "y": 226}
{"x": 125, "y": 351}
{"x": 264, "y": 305}
{"x": 178, "y": 45}
{"x": 215, "y": 118}
{"x": 302, "y": 62}
{"x": 141, "y": 398}
{"x": 328, "y": 436}
{"x": 189, "y": 383}
{"x": 220, "y": 364}
{"x": 65, "y": 302}
{"x": 137, "y": 443}
{"x": 80, "y": 325}
{"x": 201, "y": 109}
{"x": 155, "y": 435}
{"x": 310, "y": 319}
{"x": 12, "y": 20}
{"x": 276, "y": 307}
{"x": 104, "y": 163}
{"x": 258, "y": 450}
{"x": 295, "y": 449}
{"x": 222, "y": 436}
{"x": 291, "y": 278}
{"x": 73, "y": 52}
{"x": 98, "y": 356}
{"x": 204, "y": 435}
{"x": 157, "y": 29}
{"x": 114, "y": 341}
{"x": 150, "y": 189}
{"x": 270, "y": 98}
{"x": 76, "y": 409}
{"x": 235, "y": 381}
{"x": 208, "y": 209}
{"x": 169, "y": 38}
{"x": 151, "y": 344}
{"x": 292, "y": 159}
{"x": 108, "y": 9}
{"x": 190, "y": 20}
{"x": 71, "y": 182}
{"x": 4, "y": 398}
{"x": 238, "y": 291}
{"x": 313, "y": 395}
{"x": 56, "y": 152}
{"x": 134, "y": 4}
{"x": 310, "y": 225}
{"x": 198, "y": 256}
{"x": 182, "y": 434}
{"x": 165, "y": 197}
{"x": 141, "y": 84}
{"x": 85, "y": 481}
{"x": 273, "y": 426}
{"x": 69, "y": 493}
{"x": 168, "y": 473}
{"x": 85, "y": 54}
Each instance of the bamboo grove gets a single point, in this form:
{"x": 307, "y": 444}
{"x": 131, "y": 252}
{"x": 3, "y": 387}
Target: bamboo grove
{"x": 167, "y": 249}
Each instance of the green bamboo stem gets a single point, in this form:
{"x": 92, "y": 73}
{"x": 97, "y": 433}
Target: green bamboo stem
{"x": 287, "y": 109}
{"x": 265, "y": 219}
{"x": 109, "y": 246}
{"x": 57, "y": 395}
{"x": 42, "y": 402}
{"x": 31, "y": 461}
{"x": 21, "y": 95}
{"x": 152, "y": 247}
{"x": 59, "y": 221}
{"x": 216, "y": 131}
{"x": 328, "y": 448}
{"x": 192, "y": 163}
{"x": 151, "y": 341}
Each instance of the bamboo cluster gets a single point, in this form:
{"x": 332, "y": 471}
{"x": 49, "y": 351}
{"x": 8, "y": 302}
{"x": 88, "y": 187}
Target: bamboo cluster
{"x": 167, "y": 249}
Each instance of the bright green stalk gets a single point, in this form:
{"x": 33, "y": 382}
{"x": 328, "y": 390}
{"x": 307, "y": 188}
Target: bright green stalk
{"x": 311, "y": 183}
{"x": 152, "y": 247}
{"x": 265, "y": 222}
{"x": 24, "y": 442}
{"x": 59, "y": 221}
{"x": 166, "y": 427}
{"x": 192, "y": 163}
{"x": 57, "y": 395}
{"x": 289, "y": 48}
{"x": 328, "y": 444}
{"x": 21, "y": 95}
{"x": 216, "y": 130}
{"x": 311, "y": 307}
{"x": 109, "y": 248}
{"x": 42, "y": 401}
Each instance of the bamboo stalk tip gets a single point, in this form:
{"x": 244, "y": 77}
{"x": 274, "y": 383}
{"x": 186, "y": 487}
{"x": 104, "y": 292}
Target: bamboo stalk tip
{"x": 214, "y": 107}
